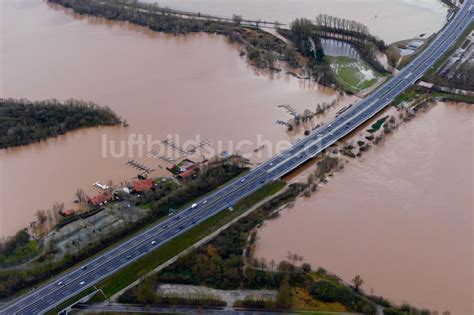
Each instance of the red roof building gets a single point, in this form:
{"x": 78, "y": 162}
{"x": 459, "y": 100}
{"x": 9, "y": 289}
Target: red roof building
{"x": 142, "y": 185}
{"x": 68, "y": 213}
{"x": 100, "y": 199}
{"x": 189, "y": 172}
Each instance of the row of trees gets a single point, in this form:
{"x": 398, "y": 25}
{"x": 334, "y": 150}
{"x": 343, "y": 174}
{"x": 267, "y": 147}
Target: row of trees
{"x": 348, "y": 29}
{"x": 23, "y": 122}
{"x": 306, "y": 37}
{"x": 261, "y": 48}
{"x": 355, "y": 33}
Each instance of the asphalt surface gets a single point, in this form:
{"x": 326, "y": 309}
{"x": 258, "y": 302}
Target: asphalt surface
{"x": 73, "y": 282}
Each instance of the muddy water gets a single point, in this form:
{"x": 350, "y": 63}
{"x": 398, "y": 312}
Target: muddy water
{"x": 162, "y": 85}
{"x": 402, "y": 219}
{"x": 193, "y": 86}
{"x": 391, "y": 20}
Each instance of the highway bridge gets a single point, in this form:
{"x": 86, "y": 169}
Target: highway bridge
{"x": 77, "y": 280}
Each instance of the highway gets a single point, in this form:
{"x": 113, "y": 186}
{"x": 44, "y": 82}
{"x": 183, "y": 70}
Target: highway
{"x": 84, "y": 276}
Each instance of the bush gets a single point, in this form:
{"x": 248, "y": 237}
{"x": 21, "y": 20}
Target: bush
{"x": 329, "y": 292}
{"x": 393, "y": 311}
{"x": 324, "y": 291}
{"x": 250, "y": 302}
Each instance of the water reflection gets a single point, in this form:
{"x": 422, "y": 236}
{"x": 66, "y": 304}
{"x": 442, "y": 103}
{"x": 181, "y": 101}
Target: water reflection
{"x": 337, "y": 48}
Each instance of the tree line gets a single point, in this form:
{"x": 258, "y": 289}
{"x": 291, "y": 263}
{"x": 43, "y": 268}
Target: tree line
{"x": 262, "y": 49}
{"x": 23, "y": 122}
{"x": 355, "y": 33}
{"x": 306, "y": 36}
{"x": 349, "y": 30}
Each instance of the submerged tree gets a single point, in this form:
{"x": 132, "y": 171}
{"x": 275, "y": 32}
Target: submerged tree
{"x": 357, "y": 282}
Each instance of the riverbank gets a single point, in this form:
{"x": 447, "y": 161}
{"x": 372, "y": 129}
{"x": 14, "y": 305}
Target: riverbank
{"x": 390, "y": 202}
{"x": 224, "y": 255}
{"x": 262, "y": 49}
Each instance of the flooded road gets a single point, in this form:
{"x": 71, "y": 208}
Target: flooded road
{"x": 392, "y": 20}
{"x": 402, "y": 219}
{"x": 188, "y": 86}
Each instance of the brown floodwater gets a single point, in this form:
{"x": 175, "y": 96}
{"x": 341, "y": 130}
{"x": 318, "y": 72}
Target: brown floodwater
{"x": 391, "y": 20}
{"x": 186, "y": 87}
{"x": 402, "y": 218}
{"x": 198, "y": 85}
{"x": 163, "y": 85}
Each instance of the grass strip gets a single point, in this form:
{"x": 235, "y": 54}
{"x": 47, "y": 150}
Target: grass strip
{"x": 71, "y": 301}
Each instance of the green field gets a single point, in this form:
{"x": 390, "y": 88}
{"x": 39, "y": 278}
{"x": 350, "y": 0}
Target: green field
{"x": 353, "y": 75}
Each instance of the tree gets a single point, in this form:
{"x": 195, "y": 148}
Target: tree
{"x": 306, "y": 267}
{"x": 81, "y": 196}
{"x": 145, "y": 292}
{"x": 319, "y": 55}
{"x": 393, "y": 55}
{"x": 283, "y": 299}
{"x": 357, "y": 282}
{"x": 58, "y": 208}
{"x": 237, "y": 19}
{"x": 302, "y": 31}
{"x": 41, "y": 217}
{"x": 211, "y": 250}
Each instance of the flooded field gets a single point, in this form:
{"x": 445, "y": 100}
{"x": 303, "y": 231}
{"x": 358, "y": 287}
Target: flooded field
{"x": 189, "y": 87}
{"x": 392, "y": 20}
{"x": 184, "y": 87}
{"x": 402, "y": 218}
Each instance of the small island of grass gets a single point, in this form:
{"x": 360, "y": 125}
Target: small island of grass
{"x": 24, "y": 122}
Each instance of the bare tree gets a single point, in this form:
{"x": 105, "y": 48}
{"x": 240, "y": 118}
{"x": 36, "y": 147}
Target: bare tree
{"x": 357, "y": 282}
{"x": 81, "y": 196}
{"x": 58, "y": 209}
{"x": 237, "y": 19}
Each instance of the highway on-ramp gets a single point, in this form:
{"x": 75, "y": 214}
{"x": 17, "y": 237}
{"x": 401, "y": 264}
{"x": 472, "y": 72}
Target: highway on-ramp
{"x": 84, "y": 276}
